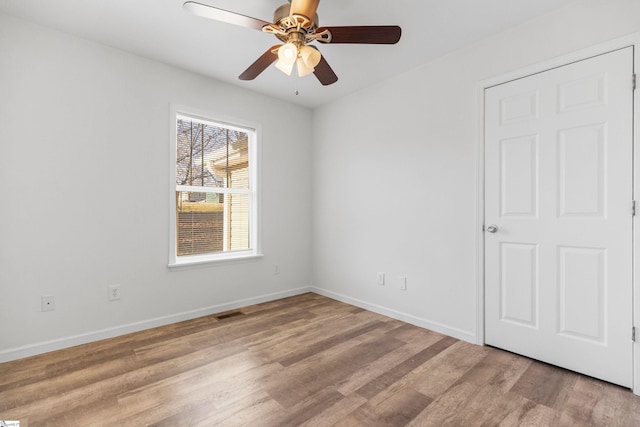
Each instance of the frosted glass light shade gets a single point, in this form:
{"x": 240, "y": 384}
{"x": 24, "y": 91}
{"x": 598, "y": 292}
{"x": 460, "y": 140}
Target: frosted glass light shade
{"x": 310, "y": 56}
{"x": 303, "y": 69}
{"x": 288, "y": 53}
{"x": 285, "y": 67}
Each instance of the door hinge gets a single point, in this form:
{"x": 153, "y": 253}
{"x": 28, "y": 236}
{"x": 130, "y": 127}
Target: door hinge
{"x": 633, "y": 79}
{"x": 633, "y": 333}
{"x": 633, "y": 208}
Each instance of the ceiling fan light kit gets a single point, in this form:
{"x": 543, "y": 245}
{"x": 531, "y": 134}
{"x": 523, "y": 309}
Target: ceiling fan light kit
{"x": 303, "y": 69}
{"x": 304, "y": 57}
{"x": 296, "y": 25}
{"x": 310, "y": 56}
{"x": 287, "y": 55}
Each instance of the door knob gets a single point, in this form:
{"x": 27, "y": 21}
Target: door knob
{"x": 492, "y": 228}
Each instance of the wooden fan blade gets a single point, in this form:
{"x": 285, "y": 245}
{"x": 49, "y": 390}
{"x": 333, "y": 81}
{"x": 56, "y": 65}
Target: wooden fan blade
{"x": 224, "y": 15}
{"x": 304, "y": 7}
{"x": 324, "y": 73}
{"x": 261, "y": 64}
{"x": 374, "y": 34}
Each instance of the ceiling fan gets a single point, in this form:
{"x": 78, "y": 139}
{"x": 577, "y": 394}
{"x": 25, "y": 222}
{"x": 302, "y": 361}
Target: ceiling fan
{"x": 296, "y": 25}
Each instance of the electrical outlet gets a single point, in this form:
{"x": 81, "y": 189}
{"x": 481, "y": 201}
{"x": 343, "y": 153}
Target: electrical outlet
{"x": 48, "y": 303}
{"x": 381, "y": 279}
{"x": 276, "y": 269}
{"x": 114, "y": 292}
{"x": 403, "y": 283}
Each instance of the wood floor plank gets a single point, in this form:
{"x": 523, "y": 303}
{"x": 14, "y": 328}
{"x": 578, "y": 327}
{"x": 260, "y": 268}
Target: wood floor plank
{"x": 50, "y": 402}
{"x": 337, "y": 412}
{"x": 491, "y": 406}
{"x": 385, "y": 363}
{"x": 392, "y": 375}
{"x": 397, "y": 409}
{"x": 498, "y": 368}
{"x": 306, "y": 379}
{"x": 531, "y": 415}
{"x": 304, "y": 352}
{"x": 301, "y": 361}
{"x": 438, "y": 374}
{"x": 306, "y": 409}
{"x": 153, "y": 402}
{"x": 592, "y": 402}
{"x": 294, "y": 340}
{"x": 445, "y": 409}
{"x": 545, "y": 384}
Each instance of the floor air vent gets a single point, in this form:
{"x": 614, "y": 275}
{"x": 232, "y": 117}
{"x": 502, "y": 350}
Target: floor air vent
{"x": 228, "y": 315}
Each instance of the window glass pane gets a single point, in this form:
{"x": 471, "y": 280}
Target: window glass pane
{"x": 211, "y": 155}
{"x": 211, "y": 222}
{"x": 237, "y": 221}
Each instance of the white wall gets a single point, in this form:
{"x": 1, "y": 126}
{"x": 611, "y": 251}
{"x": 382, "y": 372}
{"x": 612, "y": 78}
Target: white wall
{"x": 84, "y": 184}
{"x": 394, "y": 181}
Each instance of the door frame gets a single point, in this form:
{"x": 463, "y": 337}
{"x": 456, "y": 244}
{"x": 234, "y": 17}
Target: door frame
{"x": 633, "y": 41}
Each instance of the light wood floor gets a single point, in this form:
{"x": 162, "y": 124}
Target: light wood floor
{"x": 305, "y": 360}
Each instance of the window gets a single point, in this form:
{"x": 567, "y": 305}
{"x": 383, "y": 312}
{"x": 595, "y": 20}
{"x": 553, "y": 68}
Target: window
{"x": 213, "y": 206}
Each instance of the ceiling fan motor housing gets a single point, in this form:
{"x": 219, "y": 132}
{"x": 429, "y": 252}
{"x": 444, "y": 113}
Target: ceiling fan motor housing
{"x": 283, "y": 18}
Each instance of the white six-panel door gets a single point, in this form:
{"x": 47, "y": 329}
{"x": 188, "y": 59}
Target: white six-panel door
{"x": 558, "y": 218}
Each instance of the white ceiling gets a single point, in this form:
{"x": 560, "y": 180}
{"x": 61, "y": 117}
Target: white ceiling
{"x": 162, "y": 30}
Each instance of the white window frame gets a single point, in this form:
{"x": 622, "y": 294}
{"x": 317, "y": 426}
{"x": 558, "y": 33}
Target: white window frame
{"x": 253, "y": 132}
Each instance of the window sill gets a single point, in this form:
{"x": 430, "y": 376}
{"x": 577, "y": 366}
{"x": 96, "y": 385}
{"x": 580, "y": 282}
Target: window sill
{"x": 196, "y": 261}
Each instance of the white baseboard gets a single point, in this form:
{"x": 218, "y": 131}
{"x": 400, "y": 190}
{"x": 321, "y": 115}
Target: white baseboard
{"x": 60, "y": 343}
{"x": 398, "y": 315}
